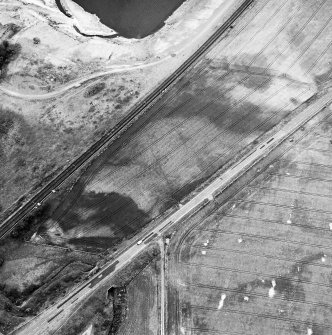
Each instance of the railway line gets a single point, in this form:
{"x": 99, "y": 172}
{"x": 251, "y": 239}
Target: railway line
{"x": 8, "y": 225}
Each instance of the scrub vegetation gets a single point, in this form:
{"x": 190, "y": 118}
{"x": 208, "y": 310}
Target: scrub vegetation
{"x": 33, "y": 152}
{"x": 8, "y": 52}
{"x": 33, "y": 276}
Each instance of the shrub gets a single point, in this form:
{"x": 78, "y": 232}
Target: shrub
{"x": 25, "y": 228}
{"x": 93, "y": 90}
{"x": 36, "y": 40}
{"x": 8, "y": 52}
{"x": 6, "y": 122}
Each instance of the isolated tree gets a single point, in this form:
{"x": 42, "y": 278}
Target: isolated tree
{"x": 36, "y": 40}
{"x": 8, "y": 52}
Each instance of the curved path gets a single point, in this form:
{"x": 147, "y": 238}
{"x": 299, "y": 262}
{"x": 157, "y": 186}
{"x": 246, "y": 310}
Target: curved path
{"x": 79, "y": 81}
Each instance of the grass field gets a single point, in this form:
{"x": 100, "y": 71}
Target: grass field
{"x": 263, "y": 69}
{"x": 34, "y": 276}
{"x": 262, "y": 266}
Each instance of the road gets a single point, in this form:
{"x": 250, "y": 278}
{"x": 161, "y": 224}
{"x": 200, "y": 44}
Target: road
{"x": 163, "y": 256}
{"x": 8, "y": 225}
{"x": 53, "y": 317}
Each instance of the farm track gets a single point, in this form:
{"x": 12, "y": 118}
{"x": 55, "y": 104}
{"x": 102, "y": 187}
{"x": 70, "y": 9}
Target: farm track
{"x": 305, "y": 209}
{"x": 9, "y": 224}
{"x": 263, "y": 237}
{"x": 258, "y": 295}
{"x": 277, "y": 222}
{"x": 265, "y": 316}
{"x": 294, "y": 176}
{"x": 77, "y": 83}
{"x": 261, "y": 274}
{"x": 262, "y": 188}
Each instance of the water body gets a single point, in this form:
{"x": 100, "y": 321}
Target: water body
{"x": 62, "y": 10}
{"x": 132, "y": 18}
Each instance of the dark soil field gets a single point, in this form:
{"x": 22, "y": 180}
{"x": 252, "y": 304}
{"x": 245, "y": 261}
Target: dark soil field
{"x": 265, "y": 68}
{"x": 142, "y": 295}
{"x": 262, "y": 265}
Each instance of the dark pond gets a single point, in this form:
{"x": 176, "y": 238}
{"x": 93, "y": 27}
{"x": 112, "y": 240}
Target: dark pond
{"x": 132, "y": 18}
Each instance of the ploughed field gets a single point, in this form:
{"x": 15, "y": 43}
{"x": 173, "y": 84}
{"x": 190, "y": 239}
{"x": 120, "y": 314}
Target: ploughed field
{"x": 272, "y": 60}
{"x": 264, "y": 265}
{"x": 142, "y": 294}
